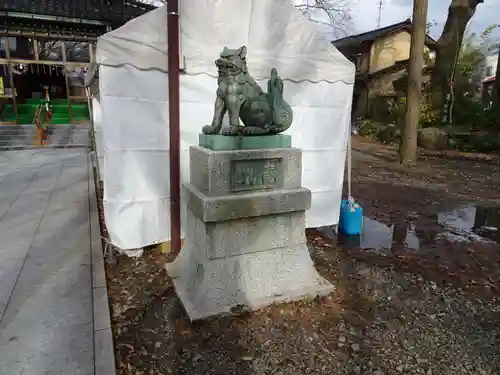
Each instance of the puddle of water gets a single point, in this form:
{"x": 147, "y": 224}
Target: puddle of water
{"x": 468, "y": 223}
{"x": 471, "y": 223}
{"x": 377, "y": 235}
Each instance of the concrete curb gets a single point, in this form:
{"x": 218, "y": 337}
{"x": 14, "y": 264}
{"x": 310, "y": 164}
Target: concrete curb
{"x": 104, "y": 352}
{"x": 28, "y": 147}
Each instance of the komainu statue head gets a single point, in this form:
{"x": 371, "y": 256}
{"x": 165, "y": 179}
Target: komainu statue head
{"x": 242, "y": 98}
{"x": 232, "y": 61}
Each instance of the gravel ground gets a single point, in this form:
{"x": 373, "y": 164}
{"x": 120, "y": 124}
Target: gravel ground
{"x": 433, "y": 311}
{"x": 378, "y": 321}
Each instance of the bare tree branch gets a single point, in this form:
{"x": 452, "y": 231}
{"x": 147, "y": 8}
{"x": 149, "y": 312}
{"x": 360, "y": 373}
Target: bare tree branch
{"x": 334, "y": 14}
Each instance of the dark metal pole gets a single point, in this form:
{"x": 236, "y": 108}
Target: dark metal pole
{"x": 173, "y": 126}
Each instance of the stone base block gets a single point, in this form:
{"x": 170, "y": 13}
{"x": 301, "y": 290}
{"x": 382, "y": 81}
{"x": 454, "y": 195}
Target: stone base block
{"x": 244, "y": 236}
{"x": 245, "y": 205}
{"x": 213, "y": 286}
{"x": 217, "y": 142}
{"x": 219, "y": 173}
{"x": 245, "y": 246}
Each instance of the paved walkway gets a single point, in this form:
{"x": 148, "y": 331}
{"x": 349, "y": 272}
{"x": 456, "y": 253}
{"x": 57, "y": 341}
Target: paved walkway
{"x": 46, "y": 314}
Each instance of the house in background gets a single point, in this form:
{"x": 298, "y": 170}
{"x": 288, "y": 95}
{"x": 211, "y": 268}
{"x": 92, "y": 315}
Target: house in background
{"x": 381, "y": 57}
{"x": 487, "y": 91}
{"x": 489, "y": 79}
{"x": 490, "y": 68}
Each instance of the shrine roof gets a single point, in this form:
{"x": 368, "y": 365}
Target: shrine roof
{"x": 106, "y": 11}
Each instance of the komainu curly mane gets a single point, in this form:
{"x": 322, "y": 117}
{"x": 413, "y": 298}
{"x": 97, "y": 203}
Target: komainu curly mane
{"x": 242, "y": 98}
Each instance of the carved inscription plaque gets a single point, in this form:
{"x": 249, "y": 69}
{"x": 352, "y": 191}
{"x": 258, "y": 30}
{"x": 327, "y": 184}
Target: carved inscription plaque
{"x": 255, "y": 174}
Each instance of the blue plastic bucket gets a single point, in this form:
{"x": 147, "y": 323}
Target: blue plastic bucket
{"x": 351, "y": 217}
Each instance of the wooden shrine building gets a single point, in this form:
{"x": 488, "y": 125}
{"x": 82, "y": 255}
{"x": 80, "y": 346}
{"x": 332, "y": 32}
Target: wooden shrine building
{"x": 45, "y": 48}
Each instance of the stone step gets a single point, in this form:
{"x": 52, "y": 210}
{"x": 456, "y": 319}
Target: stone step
{"x": 63, "y": 127}
{"x": 73, "y": 129}
{"x": 15, "y": 136}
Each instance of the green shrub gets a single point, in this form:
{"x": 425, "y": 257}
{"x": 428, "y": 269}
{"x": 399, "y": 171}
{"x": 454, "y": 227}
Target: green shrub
{"x": 389, "y": 134}
{"x": 381, "y": 108}
{"x": 490, "y": 118}
{"x": 369, "y": 128}
{"x": 427, "y": 116}
{"x": 471, "y": 114}
{"x": 475, "y": 142}
{"x": 484, "y": 143}
{"x": 398, "y": 112}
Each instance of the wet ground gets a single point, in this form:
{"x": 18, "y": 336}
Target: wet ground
{"x": 472, "y": 223}
{"x": 468, "y": 223}
{"x": 425, "y": 300}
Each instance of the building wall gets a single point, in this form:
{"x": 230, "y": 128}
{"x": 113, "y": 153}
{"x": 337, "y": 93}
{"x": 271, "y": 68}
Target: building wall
{"x": 386, "y": 51}
{"x": 382, "y": 95}
{"x": 491, "y": 66}
{"x": 384, "y": 84}
{"x": 363, "y": 64}
{"x": 359, "y": 56}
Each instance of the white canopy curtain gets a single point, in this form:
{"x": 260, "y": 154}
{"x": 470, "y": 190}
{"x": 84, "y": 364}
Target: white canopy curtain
{"x": 133, "y": 81}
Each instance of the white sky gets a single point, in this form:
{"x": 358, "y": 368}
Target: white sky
{"x": 393, "y": 11}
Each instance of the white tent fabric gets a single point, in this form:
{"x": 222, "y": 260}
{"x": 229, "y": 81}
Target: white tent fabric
{"x": 275, "y": 33}
{"x": 134, "y": 104}
{"x": 99, "y": 145}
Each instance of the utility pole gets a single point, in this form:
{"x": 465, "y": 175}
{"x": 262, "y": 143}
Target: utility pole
{"x": 408, "y": 146}
{"x": 380, "y": 5}
{"x": 173, "y": 124}
{"x": 497, "y": 77}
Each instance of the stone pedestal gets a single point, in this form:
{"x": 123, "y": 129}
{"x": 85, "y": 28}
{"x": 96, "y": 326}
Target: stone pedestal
{"x": 245, "y": 244}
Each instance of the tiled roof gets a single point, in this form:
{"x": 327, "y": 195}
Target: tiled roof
{"x": 112, "y": 11}
{"x": 371, "y": 36}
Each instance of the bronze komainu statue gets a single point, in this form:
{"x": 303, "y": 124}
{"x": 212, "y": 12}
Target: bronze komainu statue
{"x": 241, "y": 96}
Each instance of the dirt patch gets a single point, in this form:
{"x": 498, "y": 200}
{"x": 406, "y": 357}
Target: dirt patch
{"x": 389, "y": 152}
{"x": 435, "y": 311}
{"x": 390, "y": 192}
{"x": 384, "y": 318}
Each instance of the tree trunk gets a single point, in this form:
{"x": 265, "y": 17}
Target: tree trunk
{"x": 497, "y": 77}
{"x": 408, "y": 146}
{"x": 448, "y": 47}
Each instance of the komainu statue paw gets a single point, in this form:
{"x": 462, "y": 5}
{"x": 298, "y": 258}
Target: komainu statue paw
{"x": 208, "y": 129}
{"x": 232, "y": 130}
{"x": 255, "y": 130}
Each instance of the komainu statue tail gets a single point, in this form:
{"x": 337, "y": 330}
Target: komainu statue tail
{"x": 282, "y": 113}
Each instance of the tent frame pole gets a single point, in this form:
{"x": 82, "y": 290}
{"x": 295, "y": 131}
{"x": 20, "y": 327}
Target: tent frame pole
{"x": 173, "y": 126}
